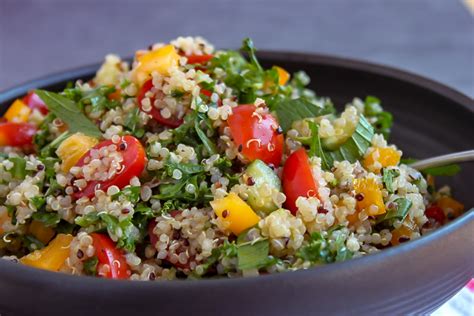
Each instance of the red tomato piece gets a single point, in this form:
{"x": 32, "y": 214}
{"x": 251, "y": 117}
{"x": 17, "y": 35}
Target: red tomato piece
{"x": 298, "y": 179}
{"x": 134, "y": 161}
{"x": 108, "y": 254}
{"x": 154, "y": 112}
{"x": 435, "y": 212}
{"x": 34, "y": 102}
{"x": 16, "y": 134}
{"x": 199, "y": 59}
{"x": 256, "y": 135}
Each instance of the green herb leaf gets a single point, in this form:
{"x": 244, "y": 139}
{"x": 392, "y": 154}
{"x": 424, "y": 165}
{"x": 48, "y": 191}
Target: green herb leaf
{"x": 32, "y": 243}
{"x": 90, "y": 266}
{"x": 249, "y": 48}
{"x": 49, "y": 219}
{"x": 130, "y": 233}
{"x": 403, "y": 206}
{"x": 291, "y": 110}
{"x": 38, "y": 202}
{"x": 380, "y": 119}
{"x": 387, "y": 178}
{"x": 208, "y": 144}
{"x": 68, "y": 111}
{"x": 19, "y": 167}
{"x": 253, "y": 255}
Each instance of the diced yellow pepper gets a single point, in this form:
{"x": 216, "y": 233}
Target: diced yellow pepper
{"x": 405, "y": 230}
{"x": 41, "y": 232}
{"x": 51, "y": 257}
{"x": 160, "y": 60}
{"x": 233, "y": 210}
{"x": 449, "y": 204}
{"x": 73, "y": 148}
{"x": 369, "y": 196}
{"x": 283, "y": 75}
{"x": 18, "y": 112}
{"x": 386, "y": 157}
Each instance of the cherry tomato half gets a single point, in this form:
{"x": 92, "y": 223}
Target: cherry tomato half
{"x": 435, "y": 212}
{"x": 134, "y": 161}
{"x": 16, "y": 134}
{"x": 198, "y": 59}
{"x": 298, "y": 179}
{"x": 108, "y": 254}
{"x": 154, "y": 112}
{"x": 256, "y": 136}
{"x": 34, "y": 102}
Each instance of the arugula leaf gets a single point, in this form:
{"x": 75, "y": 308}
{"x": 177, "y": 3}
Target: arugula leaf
{"x": 19, "y": 167}
{"x": 90, "y": 266}
{"x": 68, "y": 111}
{"x": 49, "y": 219}
{"x": 448, "y": 170}
{"x": 253, "y": 255}
{"x": 387, "y": 178}
{"x": 403, "y": 206}
{"x": 291, "y": 110}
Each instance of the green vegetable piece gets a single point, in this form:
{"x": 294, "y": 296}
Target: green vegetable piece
{"x": 352, "y": 150}
{"x": 19, "y": 167}
{"x": 90, "y": 266}
{"x": 403, "y": 206}
{"x": 253, "y": 255}
{"x": 292, "y": 110}
{"x": 260, "y": 175}
{"x": 387, "y": 178}
{"x": 49, "y": 219}
{"x": 68, "y": 111}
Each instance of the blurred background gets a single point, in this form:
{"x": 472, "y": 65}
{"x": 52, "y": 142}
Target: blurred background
{"x": 434, "y": 38}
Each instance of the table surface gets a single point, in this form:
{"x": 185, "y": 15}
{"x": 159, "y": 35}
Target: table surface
{"x": 434, "y": 38}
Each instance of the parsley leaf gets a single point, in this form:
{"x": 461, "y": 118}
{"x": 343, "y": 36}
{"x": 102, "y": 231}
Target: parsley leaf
{"x": 90, "y": 266}
{"x": 387, "y": 178}
{"x": 380, "y": 119}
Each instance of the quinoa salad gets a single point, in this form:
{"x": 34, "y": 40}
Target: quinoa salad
{"x": 190, "y": 162}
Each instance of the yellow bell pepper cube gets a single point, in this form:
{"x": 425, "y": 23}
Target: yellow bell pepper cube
{"x": 449, "y": 204}
{"x": 386, "y": 157}
{"x": 160, "y": 60}
{"x": 233, "y": 210}
{"x": 41, "y": 232}
{"x": 405, "y": 230}
{"x": 73, "y": 148}
{"x": 51, "y": 257}
{"x": 369, "y": 196}
{"x": 18, "y": 112}
{"x": 283, "y": 75}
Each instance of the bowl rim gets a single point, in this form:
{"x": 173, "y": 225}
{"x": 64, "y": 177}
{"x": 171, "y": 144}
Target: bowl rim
{"x": 29, "y": 274}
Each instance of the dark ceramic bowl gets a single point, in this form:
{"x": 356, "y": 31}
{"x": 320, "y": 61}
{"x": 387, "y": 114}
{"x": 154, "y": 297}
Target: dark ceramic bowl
{"x": 412, "y": 278}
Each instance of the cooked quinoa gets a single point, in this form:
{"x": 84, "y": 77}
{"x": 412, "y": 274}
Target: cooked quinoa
{"x": 194, "y": 163}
